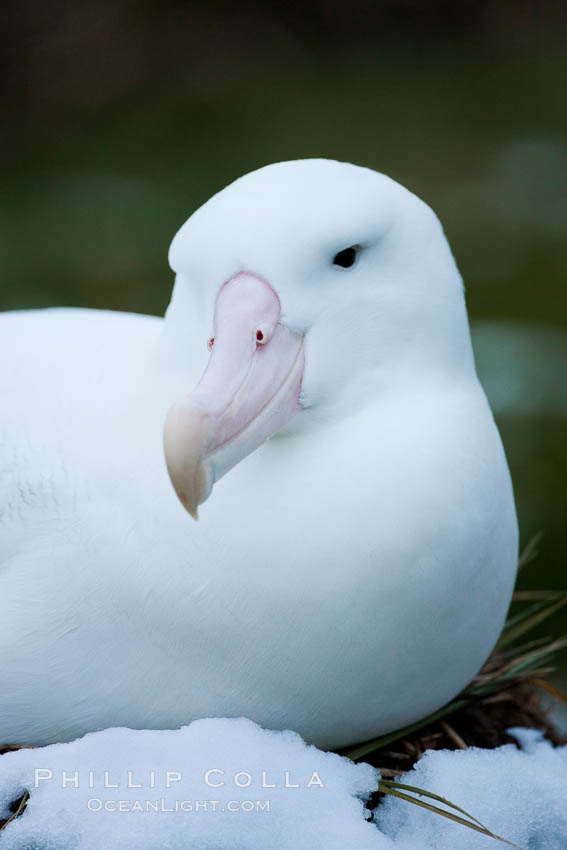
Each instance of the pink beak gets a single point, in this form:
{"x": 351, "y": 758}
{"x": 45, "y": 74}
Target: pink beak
{"x": 248, "y": 391}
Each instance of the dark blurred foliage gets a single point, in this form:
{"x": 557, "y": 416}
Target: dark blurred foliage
{"x": 72, "y": 66}
{"x": 120, "y": 118}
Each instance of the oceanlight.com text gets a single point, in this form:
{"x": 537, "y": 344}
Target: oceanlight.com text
{"x": 96, "y": 804}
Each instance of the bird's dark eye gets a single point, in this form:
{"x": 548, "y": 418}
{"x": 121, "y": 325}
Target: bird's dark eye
{"x": 347, "y": 258}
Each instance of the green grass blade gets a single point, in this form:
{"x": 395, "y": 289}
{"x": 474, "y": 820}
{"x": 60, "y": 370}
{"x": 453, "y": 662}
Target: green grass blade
{"x": 515, "y": 619}
{"x": 368, "y": 747}
{"x": 531, "y": 621}
{"x": 422, "y": 792}
{"x": 534, "y": 657}
{"x": 529, "y": 552}
{"x": 474, "y": 824}
{"x": 520, "y": 649}
{"x": 535, "y": 595}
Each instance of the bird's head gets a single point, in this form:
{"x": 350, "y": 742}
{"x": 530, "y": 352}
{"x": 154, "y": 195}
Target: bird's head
{"x": 317, "y": 285}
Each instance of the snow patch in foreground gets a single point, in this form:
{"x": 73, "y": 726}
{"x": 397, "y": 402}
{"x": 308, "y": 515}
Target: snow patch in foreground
{"x": 227, "y": 761}
{"x": 520, "y": 795}
{"x": 206, "y": 786}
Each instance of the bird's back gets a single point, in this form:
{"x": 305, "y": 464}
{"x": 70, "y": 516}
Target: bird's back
{"x": 64, "y": 371}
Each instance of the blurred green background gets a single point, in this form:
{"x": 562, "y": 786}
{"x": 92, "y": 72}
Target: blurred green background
{"x": 121, "y": 118}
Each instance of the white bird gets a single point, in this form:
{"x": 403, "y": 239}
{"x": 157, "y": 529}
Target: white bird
{"x": 347, "y": 576}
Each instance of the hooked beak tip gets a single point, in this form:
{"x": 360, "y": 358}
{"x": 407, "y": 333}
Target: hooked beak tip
{"x": 190, "y": 505}
{"x": 192, "y": 511}
{"x": 183, "y": 442}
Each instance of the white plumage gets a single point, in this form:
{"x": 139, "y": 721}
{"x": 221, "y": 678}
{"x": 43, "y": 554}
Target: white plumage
{"x": 347, "y": 577}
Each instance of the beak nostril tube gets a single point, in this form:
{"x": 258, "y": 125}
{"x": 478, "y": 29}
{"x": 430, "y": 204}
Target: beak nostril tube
{"x": 264, "y": 333}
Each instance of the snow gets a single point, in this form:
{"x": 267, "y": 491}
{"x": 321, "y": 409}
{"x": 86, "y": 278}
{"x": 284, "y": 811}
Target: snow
{"x": 521, "y": 794}
{"x": 310, "y": 816}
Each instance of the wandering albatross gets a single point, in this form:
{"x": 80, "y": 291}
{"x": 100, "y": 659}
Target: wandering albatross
{"x": 356, "y": 543}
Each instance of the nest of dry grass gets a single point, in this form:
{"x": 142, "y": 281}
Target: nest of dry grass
{"x": 484, "y": 722}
